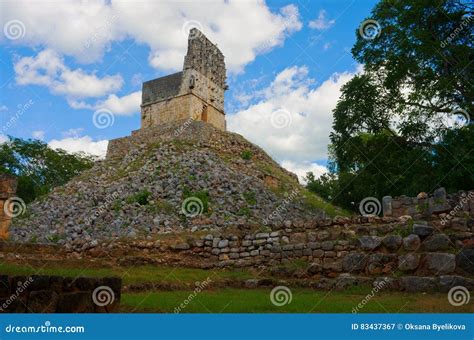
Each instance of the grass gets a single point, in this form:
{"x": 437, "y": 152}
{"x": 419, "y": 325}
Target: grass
{"x": 137, "y": 274}
{"x": 233, "y": 300}
{"x": 230, "y": 300}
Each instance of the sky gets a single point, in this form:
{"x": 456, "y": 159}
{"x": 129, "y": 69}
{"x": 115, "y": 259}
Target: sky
{"x": 71, "y": 71}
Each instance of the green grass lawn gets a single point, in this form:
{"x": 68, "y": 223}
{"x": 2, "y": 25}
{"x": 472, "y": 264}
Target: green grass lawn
{"x": 303, "y": 301}
{"x": 129, "y": 275}
{"x": 233, "y": 300}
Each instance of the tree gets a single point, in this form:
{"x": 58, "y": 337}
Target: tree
{"x": 393, "y": 131}
{"x": 38, "y": 167}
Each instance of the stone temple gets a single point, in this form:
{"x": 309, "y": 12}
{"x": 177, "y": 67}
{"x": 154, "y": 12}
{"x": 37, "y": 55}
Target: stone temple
{"x": 197, "y": 92}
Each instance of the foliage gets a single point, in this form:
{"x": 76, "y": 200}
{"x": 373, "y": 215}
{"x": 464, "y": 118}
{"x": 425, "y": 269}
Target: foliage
{"x": 390, "y": 133}
{"x": 246, "y": 155}
{"x": 202, "y": 195}
{"x": 38, "y": 167}
{"x": 140, "y": 197}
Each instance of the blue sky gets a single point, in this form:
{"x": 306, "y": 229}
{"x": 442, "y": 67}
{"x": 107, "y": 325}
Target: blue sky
{"x": 61, "y": 61}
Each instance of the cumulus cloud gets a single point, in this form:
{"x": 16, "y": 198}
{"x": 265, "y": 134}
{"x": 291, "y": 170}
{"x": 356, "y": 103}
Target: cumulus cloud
{"x": 48, "y": 69}
{"x": 292, "y": 117}
{"x": 321, "y": 22}
{"x": 77, "y": 144}
{"x": 121, "y": 106}
{"x": 86, "y": 29}
{"x": 302, "y": 168}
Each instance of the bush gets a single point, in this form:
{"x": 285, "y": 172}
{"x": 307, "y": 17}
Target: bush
{"x": 140, "y": 197}
{"x": 246, "y": 155}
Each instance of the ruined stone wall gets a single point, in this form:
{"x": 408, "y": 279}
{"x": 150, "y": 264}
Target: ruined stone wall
{"x": 181, "y": 108}
{"x": 439, "y": 203}
{"x": 204, "y": 57}
{"x": 8, "y": 185}
{"x": 412, "y": 256}
{"x": 178, "y": 108}
{"x": 56, "y": 294}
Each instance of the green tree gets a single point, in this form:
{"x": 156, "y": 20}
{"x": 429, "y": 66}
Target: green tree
{"x": 38, "y": 167}
{"x": 391, "y": 124}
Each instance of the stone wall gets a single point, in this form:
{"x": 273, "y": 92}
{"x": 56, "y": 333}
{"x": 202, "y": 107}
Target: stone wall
{"x": 424, "y": 205}
{"x": 183, "y": 107}
{"x": 8, "y": 185}
{"x": 55, "y": 294}
{"x": 417, "y": 255}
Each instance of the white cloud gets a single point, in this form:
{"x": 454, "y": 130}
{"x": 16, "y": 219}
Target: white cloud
{"x": 48, "y": 69}
{"x": 3, "y": 108}
{"x": 302, "y": 168}
{"x": 321, "y": 22}
{"x": 3, "y": 139}
{"x": 77, "y": 144}
{"x": 38, "y": 134}
{"x": 121, "y": 106}
{"x": 86, "y": 29}
{"x": 292, "y": 118}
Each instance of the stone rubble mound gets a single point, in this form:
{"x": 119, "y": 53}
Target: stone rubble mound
{"x": 177, "y": 177}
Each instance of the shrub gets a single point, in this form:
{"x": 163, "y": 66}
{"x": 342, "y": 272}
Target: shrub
{"x": 246, "y": 154}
